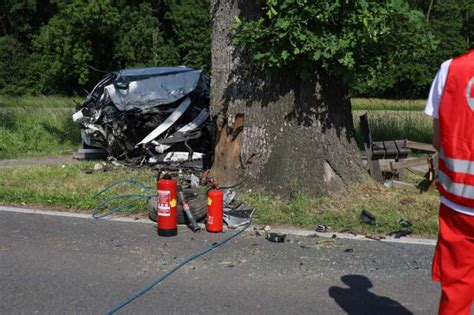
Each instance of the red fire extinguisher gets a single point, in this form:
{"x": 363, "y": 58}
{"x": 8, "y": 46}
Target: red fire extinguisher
{"x": 215, "y": 210}
{"x": 167, "y": 214}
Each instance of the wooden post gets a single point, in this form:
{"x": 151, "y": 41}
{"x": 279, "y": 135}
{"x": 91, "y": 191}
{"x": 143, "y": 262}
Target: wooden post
{"x": 373, "y": 165}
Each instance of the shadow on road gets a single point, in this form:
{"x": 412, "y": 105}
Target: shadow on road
{"x": 357, "y": 300}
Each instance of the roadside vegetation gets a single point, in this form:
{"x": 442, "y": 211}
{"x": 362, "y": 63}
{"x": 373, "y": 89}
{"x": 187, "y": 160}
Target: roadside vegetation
{"x": 68, "y": 187}
{"x": 38, "y": 101}
{"x": 34, "y": 126}
{"x": 388, "y": 205}
{"x": 378, "y": 104}
{"x": 37, "y": 126}
{"x": 41, "y": 53}
{"x": 65, "y": 187}
{"x": 42, "y": 126}
{"x": 395, "y": 125}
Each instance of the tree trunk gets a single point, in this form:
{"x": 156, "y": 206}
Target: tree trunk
{"x": 277, "y": 130}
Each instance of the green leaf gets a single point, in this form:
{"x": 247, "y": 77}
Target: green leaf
{"x": 282, "y": 23}
{"x": 365, "y": 21}
{"x": 271, "y": 13}
{"x": 317, "y": 55}
{"x": 237, "y": 20}
{"x": 259, "y": 56}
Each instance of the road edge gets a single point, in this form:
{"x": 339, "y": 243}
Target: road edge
{"x": 297, "y": 232}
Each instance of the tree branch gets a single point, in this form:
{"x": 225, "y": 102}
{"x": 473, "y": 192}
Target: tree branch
{"x": 428, "y": 13}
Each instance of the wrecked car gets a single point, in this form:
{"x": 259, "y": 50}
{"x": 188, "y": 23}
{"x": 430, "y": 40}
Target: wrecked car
{"x": 154, "y": 116}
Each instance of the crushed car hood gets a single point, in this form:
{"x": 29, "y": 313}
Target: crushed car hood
{"x": 157, "y": 116}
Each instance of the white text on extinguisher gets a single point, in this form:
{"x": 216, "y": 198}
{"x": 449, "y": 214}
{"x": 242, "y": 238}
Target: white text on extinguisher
{"x": 164, "y": 203}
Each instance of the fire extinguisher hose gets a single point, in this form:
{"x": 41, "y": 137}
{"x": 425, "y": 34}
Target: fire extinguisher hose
{"x": 176, "y": 268}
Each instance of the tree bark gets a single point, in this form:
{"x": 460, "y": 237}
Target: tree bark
{"x": 277, "y": 130}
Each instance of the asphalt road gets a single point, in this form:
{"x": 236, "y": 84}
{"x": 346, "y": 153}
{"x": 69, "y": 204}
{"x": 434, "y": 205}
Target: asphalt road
{"x": 57, "y": 265}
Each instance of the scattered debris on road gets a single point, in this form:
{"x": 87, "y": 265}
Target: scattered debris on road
{"x": 237, "y": 216}
{"x": 276, "y": 237}
{"x": 368, "y": 217}
{"x": 376, "y": 237}
{"x": 405, "y": 229}
{"x": 321, "y": 228}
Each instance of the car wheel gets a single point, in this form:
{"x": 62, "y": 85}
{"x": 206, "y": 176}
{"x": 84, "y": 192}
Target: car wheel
{"x": 197, "y": 203}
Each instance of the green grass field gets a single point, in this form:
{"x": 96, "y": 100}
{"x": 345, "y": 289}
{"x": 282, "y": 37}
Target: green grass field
{"x": 40, "y": 101}
{"x": 393, "y": 119}
{"x": 396, "y": 125}
{"x": 389, "y": 206}
{"x": 34, "y": 126}
{"x": 374, "y": 104}
{"x": 37, "y": 126}
{"x": 38, "y": 131}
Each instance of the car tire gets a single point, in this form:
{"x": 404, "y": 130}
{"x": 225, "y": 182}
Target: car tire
{"x": 197, "y": 203}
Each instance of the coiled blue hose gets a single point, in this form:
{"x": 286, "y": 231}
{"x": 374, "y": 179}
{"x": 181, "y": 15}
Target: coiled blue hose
{"x": 122, "y": 206}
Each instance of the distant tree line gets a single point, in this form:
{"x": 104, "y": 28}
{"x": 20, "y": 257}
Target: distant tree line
{"x": 53, "y": 46}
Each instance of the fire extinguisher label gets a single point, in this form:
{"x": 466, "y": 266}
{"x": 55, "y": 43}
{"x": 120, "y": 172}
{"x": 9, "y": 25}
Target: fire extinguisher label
{"x": 210, "y": 219}
{"x": 164, "y": 208}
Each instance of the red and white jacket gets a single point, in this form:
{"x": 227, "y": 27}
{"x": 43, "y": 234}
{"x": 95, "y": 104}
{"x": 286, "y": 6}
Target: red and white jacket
{"x": 456, "y": 117}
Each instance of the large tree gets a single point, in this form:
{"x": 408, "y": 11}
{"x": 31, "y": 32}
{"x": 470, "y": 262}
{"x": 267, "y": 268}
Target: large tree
{"x": 280, "y": 75}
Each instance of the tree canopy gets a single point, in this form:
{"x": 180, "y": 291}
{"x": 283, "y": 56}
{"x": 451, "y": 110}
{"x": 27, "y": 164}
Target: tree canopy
{"x": 384, "y": 48}
{"x": 378, "y": 46}
{"x": 57, "y": 47}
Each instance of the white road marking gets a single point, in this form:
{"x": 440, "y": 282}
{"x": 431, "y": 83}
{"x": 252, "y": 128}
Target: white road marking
{"x": 289, "y": 231}
{"x": 358, "y": 237}
{"x": 69, "y": 214}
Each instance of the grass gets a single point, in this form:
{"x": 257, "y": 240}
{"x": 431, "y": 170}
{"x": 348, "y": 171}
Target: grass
{"x": 64, "y": 187}
{"x": 396, "y": 125}
{"x": 40, "y": 101}
{"x": 68, "y": 188}
{"x": 39, "y": 131}
{"x": 373, "y": 104}
{"x": 42, "y": 126}
{"x": 343, "y": 213}
{"x": 34, "y": 126}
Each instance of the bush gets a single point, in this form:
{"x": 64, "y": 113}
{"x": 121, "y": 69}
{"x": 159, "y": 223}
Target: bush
{"x": 14, "y": 67}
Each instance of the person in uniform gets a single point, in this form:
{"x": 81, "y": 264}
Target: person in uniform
{"x": 451, "y": 104}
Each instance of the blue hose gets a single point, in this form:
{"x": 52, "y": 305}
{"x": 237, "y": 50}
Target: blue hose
{"x": 137, "y": 197}
{"x": 128, "y": 180}
{"x": 123, "y": 206}
{"x": 174, "y": 269}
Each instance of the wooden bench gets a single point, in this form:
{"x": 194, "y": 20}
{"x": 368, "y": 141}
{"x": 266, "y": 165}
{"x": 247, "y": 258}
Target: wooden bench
{"x": 380, "y": 150}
